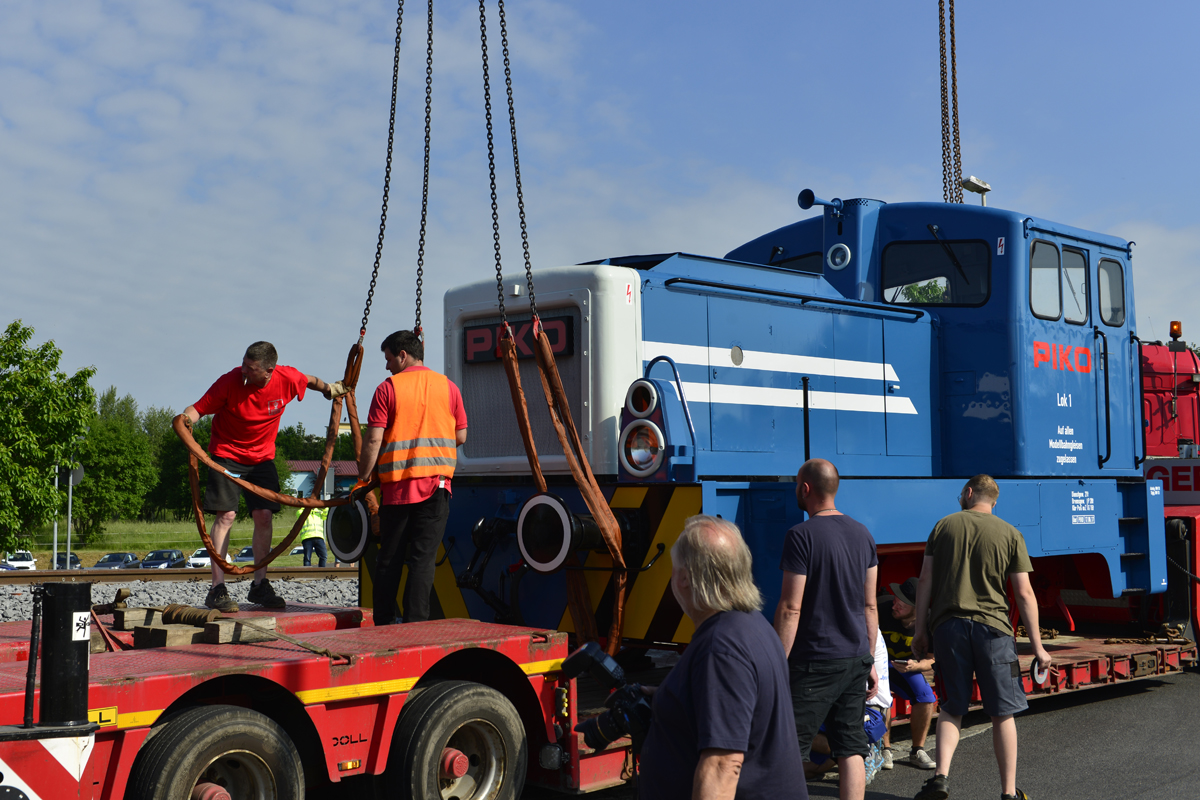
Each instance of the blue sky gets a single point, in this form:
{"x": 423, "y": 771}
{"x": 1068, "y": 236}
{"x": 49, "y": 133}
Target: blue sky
{"x": 179, "y": 179}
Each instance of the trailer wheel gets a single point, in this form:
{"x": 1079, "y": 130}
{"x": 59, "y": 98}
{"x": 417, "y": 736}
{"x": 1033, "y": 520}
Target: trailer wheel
{"x": 225, "y": 750}
{"x": 457, "y": 739}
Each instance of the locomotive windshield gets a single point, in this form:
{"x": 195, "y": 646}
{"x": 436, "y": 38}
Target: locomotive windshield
{"x": 923, "y": 273}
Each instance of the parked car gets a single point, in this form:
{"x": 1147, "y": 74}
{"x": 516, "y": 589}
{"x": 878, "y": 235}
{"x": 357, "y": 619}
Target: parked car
{"x": 118, "y": 561}
{"x": 60, "y": 562}
{"x": 164, "y": 559}
{"x": 298, "y": 550}
{"x": 244, "y": 555}
{"x": 201, "y": 560}
{"x": 21, "y": 559}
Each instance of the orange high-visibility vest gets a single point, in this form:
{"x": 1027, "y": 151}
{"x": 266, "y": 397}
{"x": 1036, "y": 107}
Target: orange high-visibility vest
{"x": 419, "y": 442}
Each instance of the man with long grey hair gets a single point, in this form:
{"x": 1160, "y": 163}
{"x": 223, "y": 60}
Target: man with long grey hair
{"x": 723, "y": 725}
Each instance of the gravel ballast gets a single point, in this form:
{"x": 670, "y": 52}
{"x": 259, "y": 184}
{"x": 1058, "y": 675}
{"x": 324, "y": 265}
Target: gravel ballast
{"x": 16, "y": 602}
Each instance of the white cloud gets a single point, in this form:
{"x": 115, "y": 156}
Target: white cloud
{"x": 1166, "y": 279}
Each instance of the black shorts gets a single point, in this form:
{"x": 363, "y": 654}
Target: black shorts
{"x": 221, "y": 494}
{"x": 833, "y": 693}
{"x": 965, "y": 648}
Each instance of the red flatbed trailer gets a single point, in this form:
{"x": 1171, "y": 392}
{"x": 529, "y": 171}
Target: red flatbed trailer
{"x": 488, "y": 708}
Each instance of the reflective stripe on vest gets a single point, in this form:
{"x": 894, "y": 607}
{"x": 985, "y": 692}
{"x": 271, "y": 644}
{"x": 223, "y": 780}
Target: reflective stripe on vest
{"x": 419, "y": 442}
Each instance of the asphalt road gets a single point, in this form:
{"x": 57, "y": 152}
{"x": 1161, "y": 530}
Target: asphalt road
{"x": 1134, "y": 741}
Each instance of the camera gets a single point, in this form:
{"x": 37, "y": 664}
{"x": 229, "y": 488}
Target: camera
{"x": 628, "y": 711}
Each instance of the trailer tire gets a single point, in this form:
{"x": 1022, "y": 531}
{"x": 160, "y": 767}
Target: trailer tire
{"x": 469, "y": 717}
{"x": 242, "y": 750}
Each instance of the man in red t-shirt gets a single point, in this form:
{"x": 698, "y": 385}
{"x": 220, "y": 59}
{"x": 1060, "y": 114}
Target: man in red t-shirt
{"x": 248, "y": 402}
{"x": 414, "y": 427}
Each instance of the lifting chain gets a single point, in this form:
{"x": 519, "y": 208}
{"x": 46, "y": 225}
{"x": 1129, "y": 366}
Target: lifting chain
{"x": 387, "y": 173}
{"x": 1167, "y": 634}
{"x": 1183, "y": 569}
{"x": 512, "y": 126}
{"x": 952, "y": 191}
{"x": 425, "y": 183}
{"x": 491, "y": 144}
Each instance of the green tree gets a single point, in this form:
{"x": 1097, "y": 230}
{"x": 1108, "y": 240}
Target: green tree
{"x": 928, "y": 292}
{"x": 173, "y": 493}
{"x": 42, "y": 411}
{"x": 118, "y": 468}
{"x": 155, "y": 424}
{"x": 298, "y": 445}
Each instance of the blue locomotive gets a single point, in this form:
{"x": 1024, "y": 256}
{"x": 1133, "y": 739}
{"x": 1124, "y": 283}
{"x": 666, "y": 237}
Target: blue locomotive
{"x": 912, "y": 344}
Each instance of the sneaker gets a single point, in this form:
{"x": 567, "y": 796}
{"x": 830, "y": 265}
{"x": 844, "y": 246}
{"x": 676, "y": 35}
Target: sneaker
{"x": 887, "y": 759}
{"x": 1020, "y": 795}
{"x": 262, "y": 594}
{"x": 920, "y": 759}
{"x": 936, "y": 788}
{"x": 218, "y": 598}
{"x": 874, "y": 761}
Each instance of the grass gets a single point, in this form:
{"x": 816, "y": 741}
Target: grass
{"x": 134, "y": 536}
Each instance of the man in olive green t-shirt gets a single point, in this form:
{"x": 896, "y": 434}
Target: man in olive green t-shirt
{"x": 961, "y": 600}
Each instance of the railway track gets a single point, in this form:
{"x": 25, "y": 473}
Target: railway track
{"x": 31, "y": 576}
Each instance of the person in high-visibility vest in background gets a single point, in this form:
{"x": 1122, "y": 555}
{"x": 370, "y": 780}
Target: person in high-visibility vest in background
{"x": 312, "y": 536}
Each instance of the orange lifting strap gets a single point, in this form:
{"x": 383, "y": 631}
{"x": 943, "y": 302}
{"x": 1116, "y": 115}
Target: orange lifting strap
{"x": 183, "y": 430}
{"x": 578, "y": 597}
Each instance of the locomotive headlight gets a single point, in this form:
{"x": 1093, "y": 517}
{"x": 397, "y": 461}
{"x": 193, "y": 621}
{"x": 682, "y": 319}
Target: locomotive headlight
{"x": 641, "y": 399}
{"x": 642, "y": 448}
{"x": 838, "y": 256}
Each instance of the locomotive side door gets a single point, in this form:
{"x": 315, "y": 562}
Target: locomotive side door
{"x": 1117, "y": 413}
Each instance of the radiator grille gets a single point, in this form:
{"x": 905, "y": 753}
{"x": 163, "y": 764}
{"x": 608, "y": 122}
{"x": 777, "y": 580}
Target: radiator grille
{"x": 492, "y": 423}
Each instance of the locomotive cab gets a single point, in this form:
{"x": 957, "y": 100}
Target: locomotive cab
{"x": 1038, "y": 370}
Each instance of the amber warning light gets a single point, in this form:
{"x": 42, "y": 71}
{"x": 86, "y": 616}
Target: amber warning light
{"x": 1176, "y": 329}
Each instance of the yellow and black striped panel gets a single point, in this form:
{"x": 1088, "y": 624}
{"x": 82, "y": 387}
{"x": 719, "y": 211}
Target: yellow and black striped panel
{"x": 651, "y": 611}
{"x": 447, "y": 601}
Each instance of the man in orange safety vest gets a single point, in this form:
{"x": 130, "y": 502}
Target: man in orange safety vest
{"x": 414, "y": 427}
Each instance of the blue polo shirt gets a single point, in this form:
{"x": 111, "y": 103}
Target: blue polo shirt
{"x": 729, "y": 690}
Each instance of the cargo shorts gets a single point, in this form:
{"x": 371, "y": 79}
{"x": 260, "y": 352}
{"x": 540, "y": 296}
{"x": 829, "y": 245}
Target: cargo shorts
{"x": 965, "y": 649}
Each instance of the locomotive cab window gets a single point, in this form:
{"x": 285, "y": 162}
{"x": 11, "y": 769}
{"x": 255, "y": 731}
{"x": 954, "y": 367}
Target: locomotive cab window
{"x": 1112, "y": 292}
{"x": 1075, "y": 288}
{"x": 1045, "y": 287}
{"x": 928, "y": 273}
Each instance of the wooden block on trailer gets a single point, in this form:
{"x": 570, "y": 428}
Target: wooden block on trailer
{"x": 225, "y": 631}
{"x": 166, "y": 635}
{"x": 127, "y": 619}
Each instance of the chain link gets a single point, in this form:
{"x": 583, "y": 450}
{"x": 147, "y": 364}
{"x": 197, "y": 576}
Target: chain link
{"x": 387, "y": 173}
{"x": 952, "y": 191}
{"x": 956, "y": 166}
{"x": 946, "y": 191}
{"x": 425, "y": 182}
{"x": 512, "y": 126}
{"x": 487, "y": 105}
